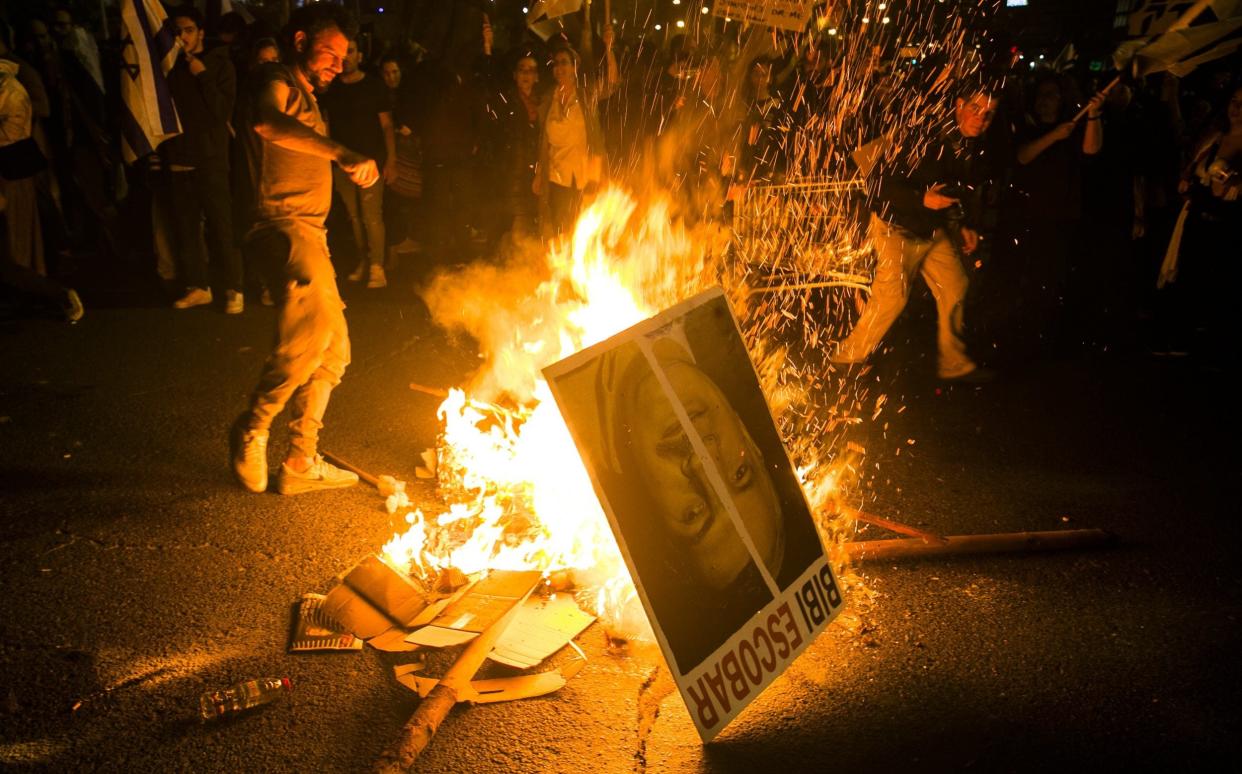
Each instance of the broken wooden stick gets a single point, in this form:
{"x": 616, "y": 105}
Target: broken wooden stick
{"x": 433, "y": 391}
{"x": 418, "y": 731}
{"x": 387, "y": 485}
{"x": 889, "y": 524}
{"x": 960, "y": 545}
{"x": 343, "y": 465}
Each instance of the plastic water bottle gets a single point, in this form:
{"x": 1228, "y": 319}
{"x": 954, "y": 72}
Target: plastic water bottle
{"x": 239, "y": 697}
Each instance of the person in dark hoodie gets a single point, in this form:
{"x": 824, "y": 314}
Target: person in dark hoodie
{"x": 924, "y": 220}
{"x": 196, "y": 164}
{"x": 516, "y": 143}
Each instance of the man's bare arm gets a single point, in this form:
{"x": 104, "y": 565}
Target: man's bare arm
{"x": 390, "y": 146}
{"x": 278, "y": 127}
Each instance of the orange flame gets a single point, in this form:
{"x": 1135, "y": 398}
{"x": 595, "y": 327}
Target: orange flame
{"x": 519, "y": 496}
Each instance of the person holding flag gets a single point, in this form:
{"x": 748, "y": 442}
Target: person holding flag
{"x": 149, "y": 50}
{"x": 196, "y": 168}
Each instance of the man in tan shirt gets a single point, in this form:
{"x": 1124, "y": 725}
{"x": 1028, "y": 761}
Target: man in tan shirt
{"x": 290, "y": 157}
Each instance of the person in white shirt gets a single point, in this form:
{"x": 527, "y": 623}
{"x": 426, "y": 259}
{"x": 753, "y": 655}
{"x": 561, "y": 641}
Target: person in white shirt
{"x": 571, "y": 142}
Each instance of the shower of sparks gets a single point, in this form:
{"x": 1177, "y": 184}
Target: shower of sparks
{"x": 695, "y": 133}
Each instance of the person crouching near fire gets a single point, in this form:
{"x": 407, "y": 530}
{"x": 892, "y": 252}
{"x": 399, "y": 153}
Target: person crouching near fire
{"x": 924, "y": 220}
{"x": 290, "y": 157}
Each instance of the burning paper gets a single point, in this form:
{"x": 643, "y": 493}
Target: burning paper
{"x": 706, "y": 507}
{"x": 519, "y": 497}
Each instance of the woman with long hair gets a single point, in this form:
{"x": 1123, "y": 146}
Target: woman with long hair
{"x": 571, "y": 141}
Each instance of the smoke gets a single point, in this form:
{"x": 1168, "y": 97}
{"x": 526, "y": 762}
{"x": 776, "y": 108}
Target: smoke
{"x": 500, "y": 305}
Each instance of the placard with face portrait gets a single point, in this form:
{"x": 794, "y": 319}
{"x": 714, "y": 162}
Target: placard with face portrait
{"x": 706, "y": 508}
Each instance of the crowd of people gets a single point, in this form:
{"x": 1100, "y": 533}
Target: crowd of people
{"x": 1041, "y": 213}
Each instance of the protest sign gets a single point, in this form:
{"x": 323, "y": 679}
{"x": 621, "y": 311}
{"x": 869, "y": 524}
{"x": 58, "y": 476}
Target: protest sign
{"x": 789, "y": 15}
{"x": 707, "y": 509}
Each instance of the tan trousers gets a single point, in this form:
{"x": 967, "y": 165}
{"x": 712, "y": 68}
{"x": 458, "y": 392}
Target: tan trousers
{"x": 25, "y": 235}
{"x": 312, "y": 341}
{"x": 898, "y": 257}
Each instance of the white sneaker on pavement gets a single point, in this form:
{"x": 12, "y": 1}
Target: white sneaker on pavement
{"x": 73, "y": 306}
{"x": 234, "y": 302}
{"x": 192, "y": 298}
{"x": 248, "y": 454}
{"x": 320, "y": 475}
{"x": 358, "y": 274}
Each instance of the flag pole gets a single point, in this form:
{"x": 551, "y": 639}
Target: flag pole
{"x": 1182, "y": 23}
{"x": 1191, "y": 14}
{"x": 1104, "y": 90}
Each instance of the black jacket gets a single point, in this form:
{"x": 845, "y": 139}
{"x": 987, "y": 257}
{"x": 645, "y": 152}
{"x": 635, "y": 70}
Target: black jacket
{"x": 205, "y": 106}
{"x": 958, "y": 162}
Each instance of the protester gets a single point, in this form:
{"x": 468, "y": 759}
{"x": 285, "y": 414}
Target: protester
{"x": 262, "y": 51}
{"x": 447, "y": 111}
{"x": 759, "y": 156}
{"x": 20, "y": 161}
{"x": 1201, "y": 274}
{"x": 232, "y": 33}
{"x": 924, "y": 220}
{"x": 75, "y": 169}
{"x": 21, "y": 265}
{"x": 697, "y": 152}
{"x": 290, "y": 157}
{"x": 571, "y": 142}
{"x": 359, "y": 117}
{"x": 41, "y": 110}
{"x": 78, "y": 44}
{"x": 517, "y": 140}
{"x": 806, "y": 91}
{"x": 402, "y": 192}
{"x": 1051, "y": 153}
{"x": 195, "y": 167}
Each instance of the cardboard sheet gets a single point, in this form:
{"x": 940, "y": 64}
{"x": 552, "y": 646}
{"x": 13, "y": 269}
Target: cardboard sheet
{"x": 378, "y": 604}
{"x": 481, "y": 606}
{"x": 542, "y": 627}
{"x": 495, "y": 690}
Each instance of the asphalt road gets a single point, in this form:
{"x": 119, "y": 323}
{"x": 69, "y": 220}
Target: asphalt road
{"x": 135, "y": 574}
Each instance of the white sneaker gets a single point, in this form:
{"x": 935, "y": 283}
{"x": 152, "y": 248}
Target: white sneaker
{"x": 377, "y": 278}
{"x": 266, "y": 299}
{"x": 234, "y": 302}
{"x": 248, "y": 454}
{"x": 359, "y": 274}
{"x": 192, "y": 298}
{"x": 320, "y": 475}
{"x": 73, "y": 306}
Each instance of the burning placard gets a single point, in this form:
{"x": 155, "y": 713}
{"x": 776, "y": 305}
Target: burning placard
{"x": 688, "y": 465}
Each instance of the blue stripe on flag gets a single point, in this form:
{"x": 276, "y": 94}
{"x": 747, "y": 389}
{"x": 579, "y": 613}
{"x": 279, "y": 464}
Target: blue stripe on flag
{"x": 133, "y": 134}
{"x": 165, "y": 39}
{"x": 163, "y": 97}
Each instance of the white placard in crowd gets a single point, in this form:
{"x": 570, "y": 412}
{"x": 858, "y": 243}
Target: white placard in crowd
{"x": 790, "y": 15}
